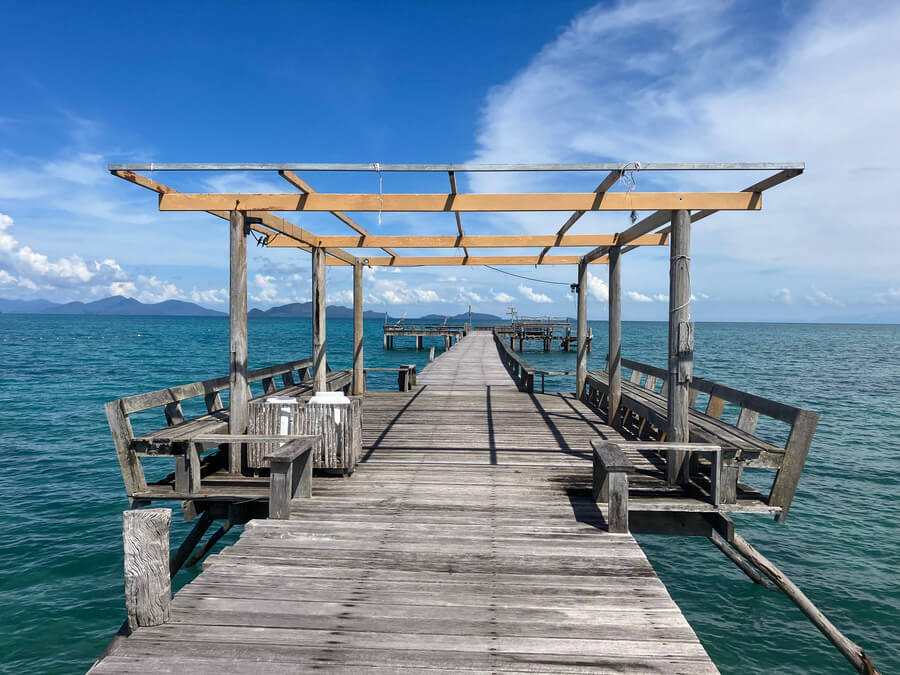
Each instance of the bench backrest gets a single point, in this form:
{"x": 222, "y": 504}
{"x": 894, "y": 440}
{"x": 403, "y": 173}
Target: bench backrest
{"x": 172, "y": 397}
{"x": 802, "y": 422}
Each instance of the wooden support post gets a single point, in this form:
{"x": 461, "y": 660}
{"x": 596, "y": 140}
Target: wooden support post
{"x": 851, "y": 651}
{"x": 209, "y": 543}
{"x": 190, "y": 542}
{"x": 318, "y": 320}
{"x": 419, "y": 340}
{"x": 431, "y": 355}
{"x": 745, "y": 567}
{"x": 681, "y": 340}
{"x": 581, "y": 354}
{"x": 359, "y": 383}
{"x": 614, "y": 364}
{"x": 239, "y": 389}
{"x": 148, "y": 588}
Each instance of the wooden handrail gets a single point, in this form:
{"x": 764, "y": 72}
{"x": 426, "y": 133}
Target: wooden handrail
{"x": 518, "y": 367}
{"x": 160, "y": 397}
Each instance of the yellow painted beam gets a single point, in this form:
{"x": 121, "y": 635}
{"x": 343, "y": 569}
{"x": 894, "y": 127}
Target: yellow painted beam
{"x": 441, "y": 261}
{"x": 479, "y": 241}
{"x": 605, "y": 201}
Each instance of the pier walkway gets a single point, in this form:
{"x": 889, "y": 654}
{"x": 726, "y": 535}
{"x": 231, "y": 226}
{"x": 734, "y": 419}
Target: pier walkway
{"x": 466, "y": 541}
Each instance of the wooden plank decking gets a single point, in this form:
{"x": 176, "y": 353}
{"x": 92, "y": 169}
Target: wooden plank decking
{"x": 467, "y": 541}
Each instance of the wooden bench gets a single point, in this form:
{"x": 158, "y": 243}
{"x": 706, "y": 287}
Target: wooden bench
{"x": 175, "y": 438}
{"x": 643, "y": 410}
{"x": 518, "y": 367}
{"x": 291, "y": 476}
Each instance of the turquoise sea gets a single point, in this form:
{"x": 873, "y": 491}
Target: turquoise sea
{"x": 61, "y": 493}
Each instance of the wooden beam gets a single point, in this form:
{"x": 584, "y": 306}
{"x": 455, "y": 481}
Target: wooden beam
{"x": 478, "y": 241}
{"x": 239, "y": 388}
{"x": 581, "y": 336}
{"x": 614, "y": 364}
{"x": 439, "y": 261}
{"x": 272, "y": 222}
{"x": 681, "y": 343}
{"x": 358, "y": 376}
{"x": 660, "y": 218}
{"x": 306, "y": 188}
{"x": 318, "y": 320}
{"x": 440, "y": 203}
{"x": 607, "y": 183}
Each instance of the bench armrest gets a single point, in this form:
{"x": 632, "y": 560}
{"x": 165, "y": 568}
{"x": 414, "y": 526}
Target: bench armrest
{"x": 610, "y": 482}
{"x": 291, "y": 475}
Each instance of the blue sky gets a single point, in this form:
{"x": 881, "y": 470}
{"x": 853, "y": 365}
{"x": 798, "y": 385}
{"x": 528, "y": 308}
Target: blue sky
{"x": 419, "y": 82}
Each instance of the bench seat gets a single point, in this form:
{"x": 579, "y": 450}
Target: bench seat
{"x": 736, "y": 444}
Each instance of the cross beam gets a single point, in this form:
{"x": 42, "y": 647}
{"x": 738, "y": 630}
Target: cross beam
{"x": 474, "y": 241}
{"x": 606, "y": 201}
{"x": 273, "y": 224}
{"x": 440, "y": 261}
{"x": 306, "y": 188}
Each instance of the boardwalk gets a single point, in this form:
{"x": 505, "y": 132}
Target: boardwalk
{"x": 467, "y": 541}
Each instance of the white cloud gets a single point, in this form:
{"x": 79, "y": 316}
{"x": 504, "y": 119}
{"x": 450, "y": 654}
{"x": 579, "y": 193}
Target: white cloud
{"x": 33, "y": 270}
{"x": 212, "y": 296}
{"x": 612, "y": 86}
{"x": 638, "y": 297}
{"x": 529, "y": 293}
{"x": 500, "y": 296}
{"x": 6, "y": 278}
{"x": 343, "y": 297}
{"x": 597, "y": 288}
{"x": 783, "y": 295}
{"x": 382, "y": 291}
{"x": 662, "y": 297}
{"x": 818, "y": 297}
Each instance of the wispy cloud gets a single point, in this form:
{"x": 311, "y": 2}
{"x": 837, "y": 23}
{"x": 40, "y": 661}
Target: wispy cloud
{"x": 692, "y": 81}
{"x": 638, "y": 297}
{"x": 530, "y": 294}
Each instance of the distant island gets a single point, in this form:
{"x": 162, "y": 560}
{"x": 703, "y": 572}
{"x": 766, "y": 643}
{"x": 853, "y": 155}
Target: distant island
{"x": 122, "y": 306}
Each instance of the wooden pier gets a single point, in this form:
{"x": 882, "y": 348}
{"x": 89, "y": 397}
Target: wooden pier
{"x": 450, "y": 332}
{"x": 467, "y": 541}
{"x": 485, "y": 527}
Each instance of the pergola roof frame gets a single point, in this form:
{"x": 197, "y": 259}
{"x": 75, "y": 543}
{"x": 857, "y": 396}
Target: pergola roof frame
{"x": 282, "y": 233}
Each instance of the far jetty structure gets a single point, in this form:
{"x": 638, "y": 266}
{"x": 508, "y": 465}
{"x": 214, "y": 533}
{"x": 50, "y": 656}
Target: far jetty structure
{"x": 465, "y": 522}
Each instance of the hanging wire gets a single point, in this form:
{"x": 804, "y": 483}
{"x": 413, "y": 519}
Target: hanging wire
{"x": 628, "y": 179}
{"x": 542, "y": 281}
{"x": 380, "y": 190}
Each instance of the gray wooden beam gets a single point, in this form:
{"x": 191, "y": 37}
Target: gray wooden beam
{"x": 614, "y": 365}
{"x": 358, "y": 378}
{"x": 442, "y": 168}
{"x": 239, "y": 389}
{"x": 318, "y": 319}
{"x": 581, "y": 354}
{"x": 681, "y": 340}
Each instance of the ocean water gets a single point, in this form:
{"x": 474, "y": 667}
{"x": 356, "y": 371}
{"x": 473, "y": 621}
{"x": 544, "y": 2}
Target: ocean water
{"x": 61, "y": 494}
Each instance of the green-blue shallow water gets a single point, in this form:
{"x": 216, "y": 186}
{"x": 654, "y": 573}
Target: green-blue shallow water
{"x": 62, "y": 495}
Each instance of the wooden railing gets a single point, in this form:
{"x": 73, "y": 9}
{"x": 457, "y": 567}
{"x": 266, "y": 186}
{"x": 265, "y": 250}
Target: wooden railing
{"x": 175, "y": 437}
{"x": 645, "y": 396}
{"x": 518, "y": 367}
